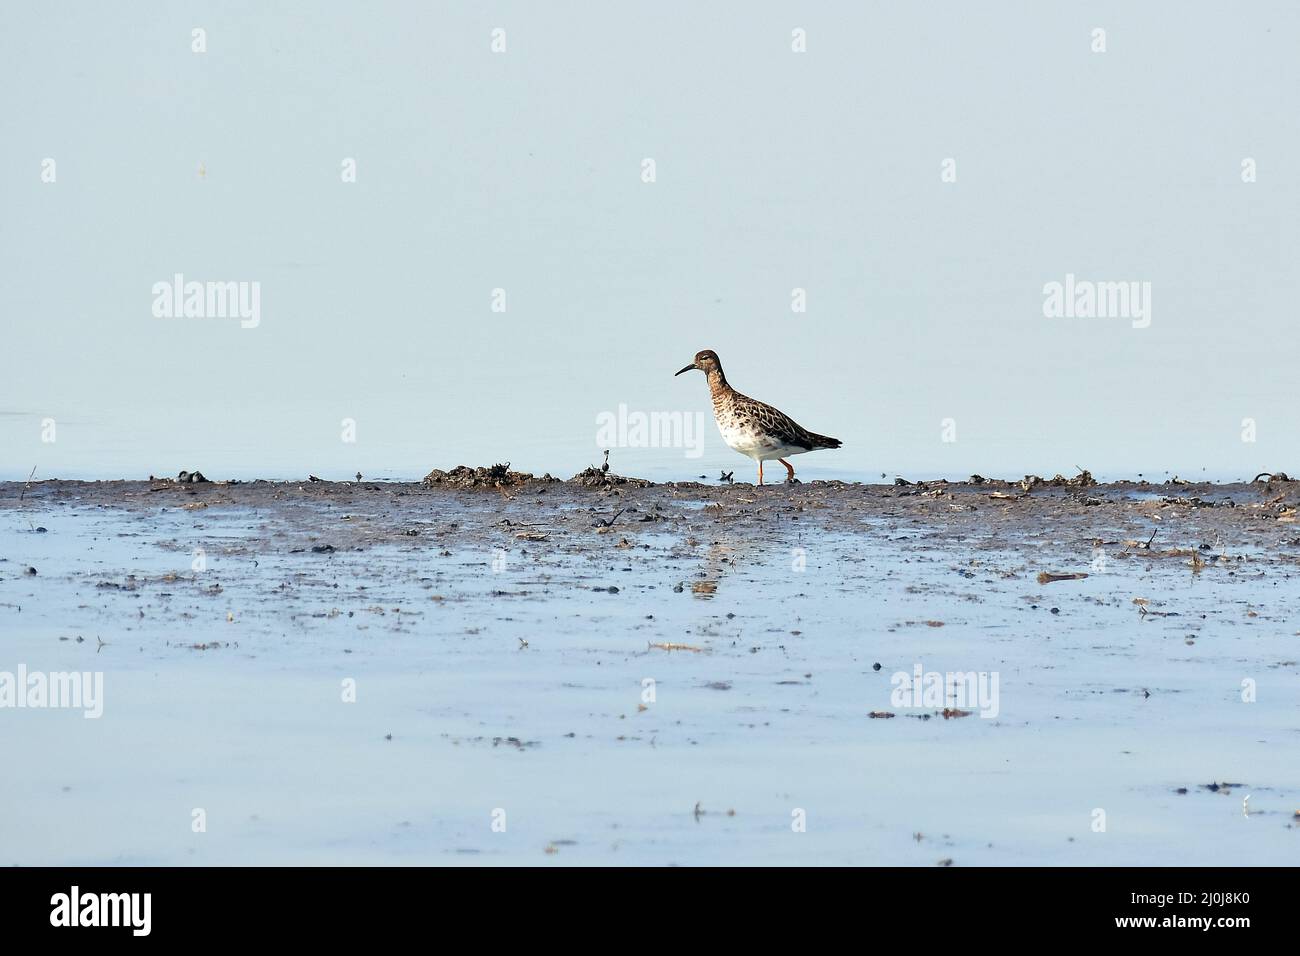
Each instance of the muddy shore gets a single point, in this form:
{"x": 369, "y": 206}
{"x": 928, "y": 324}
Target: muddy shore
{"x": 580, "y": 514}
{"x": 654, "y": 673}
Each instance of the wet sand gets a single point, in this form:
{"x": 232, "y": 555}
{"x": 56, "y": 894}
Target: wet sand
{"x": 635, "y": 673}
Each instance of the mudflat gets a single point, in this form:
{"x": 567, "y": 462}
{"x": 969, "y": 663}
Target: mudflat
{"x": 495, "y": 667}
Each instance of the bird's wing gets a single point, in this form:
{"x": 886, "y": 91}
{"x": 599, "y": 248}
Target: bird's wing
{"x": 778, "y": 424}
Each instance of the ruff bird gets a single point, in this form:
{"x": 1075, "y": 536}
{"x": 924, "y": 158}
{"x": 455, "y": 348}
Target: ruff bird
{"x": 752, "y": 428}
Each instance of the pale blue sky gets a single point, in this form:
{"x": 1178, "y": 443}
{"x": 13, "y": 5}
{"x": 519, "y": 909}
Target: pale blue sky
{"x": 522, "y": 170}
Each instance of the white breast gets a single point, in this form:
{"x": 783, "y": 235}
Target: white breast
{"x": 754, "y": 444}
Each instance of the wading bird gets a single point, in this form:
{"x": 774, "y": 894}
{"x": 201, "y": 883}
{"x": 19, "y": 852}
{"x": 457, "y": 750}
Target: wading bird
{"x": 758, "y": 431}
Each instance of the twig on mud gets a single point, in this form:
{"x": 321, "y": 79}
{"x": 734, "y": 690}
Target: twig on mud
{"x": 669, "y": 646}
{"x": 521, "y": 524}
{"x": 1139, "y": 544}
{"x": 1046, "y": 577}
{"x": 1144, "y": 612}
{"x": 27, "y": 483}
{"x": 607, "y": 522}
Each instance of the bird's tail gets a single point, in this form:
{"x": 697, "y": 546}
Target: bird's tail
{"x": 821, "y": 441}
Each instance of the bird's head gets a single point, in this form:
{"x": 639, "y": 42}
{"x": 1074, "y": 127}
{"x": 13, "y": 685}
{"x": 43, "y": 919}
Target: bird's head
{"x": 706, "y": 361}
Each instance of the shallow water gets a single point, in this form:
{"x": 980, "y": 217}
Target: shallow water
{"x": 522, "y": 688}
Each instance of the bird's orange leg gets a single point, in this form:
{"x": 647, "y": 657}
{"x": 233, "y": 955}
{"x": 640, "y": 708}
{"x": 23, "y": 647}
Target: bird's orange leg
{"x": 760, "y": 471}
{"x": 789, "y": 469}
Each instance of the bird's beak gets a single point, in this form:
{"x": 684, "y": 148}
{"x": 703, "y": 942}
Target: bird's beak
{"x": 687, "y": 369}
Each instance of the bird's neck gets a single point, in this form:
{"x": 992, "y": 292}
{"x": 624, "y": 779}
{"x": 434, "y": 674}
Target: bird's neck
{"x": 720, "y": 393}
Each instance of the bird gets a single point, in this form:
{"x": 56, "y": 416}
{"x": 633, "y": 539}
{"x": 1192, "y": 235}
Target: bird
{"x": 752, "y": 428}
